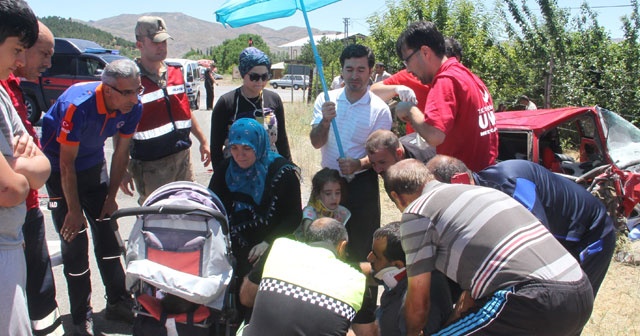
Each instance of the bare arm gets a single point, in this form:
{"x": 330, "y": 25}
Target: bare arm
{"x": 410, "y": 113}
{"x": 205, "y": 153}
{"x": 248, "y": 292}
{"x": 386, "y": 92}
{"x": 320, "y": 132}
{"x": 14, "y": 187}
{"x": 74, "y": 220}
{"x": 119, "y": 163}
{"x": 416, "y": 306}
{"x": 30, "y": 162}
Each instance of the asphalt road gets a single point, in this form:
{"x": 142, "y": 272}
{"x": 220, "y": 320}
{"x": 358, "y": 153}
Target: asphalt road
{"x": 203, "y": 174}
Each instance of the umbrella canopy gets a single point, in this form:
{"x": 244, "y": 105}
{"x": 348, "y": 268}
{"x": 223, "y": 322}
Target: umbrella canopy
{"x": 238, "y": 13}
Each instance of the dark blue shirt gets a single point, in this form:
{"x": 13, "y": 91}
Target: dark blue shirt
{"x": 80, "y": 118}
{"x": 574, "y": 216}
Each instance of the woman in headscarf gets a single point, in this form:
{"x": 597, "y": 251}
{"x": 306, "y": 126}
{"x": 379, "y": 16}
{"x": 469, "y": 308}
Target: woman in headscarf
{"x": 249, "y": 101}
{"x": 260, "y": 190}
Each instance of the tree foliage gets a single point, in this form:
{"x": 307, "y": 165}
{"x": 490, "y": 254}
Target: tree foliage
{"x": 518, "y": 48}
{"x": 227, "y": 54}
{"x": 61, "y": 27}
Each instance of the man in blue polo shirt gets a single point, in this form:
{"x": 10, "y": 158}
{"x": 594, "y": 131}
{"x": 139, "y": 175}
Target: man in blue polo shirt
{"x": 576, "y": 219}
{"x": 74, "y": 131}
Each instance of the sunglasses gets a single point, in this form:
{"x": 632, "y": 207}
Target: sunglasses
{"x": 126, "y": 93}
{"x": 256, "y": 77}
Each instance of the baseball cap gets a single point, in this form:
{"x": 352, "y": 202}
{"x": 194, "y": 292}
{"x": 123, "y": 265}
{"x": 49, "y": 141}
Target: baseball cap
{"x": 152, "y": 27}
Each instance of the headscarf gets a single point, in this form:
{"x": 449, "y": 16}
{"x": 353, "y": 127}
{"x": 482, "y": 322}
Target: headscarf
{"x": 251, "y": 57}
{"x": 250, "y": 181}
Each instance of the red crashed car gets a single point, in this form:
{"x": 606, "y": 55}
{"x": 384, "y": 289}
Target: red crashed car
{"x": 591, "y": 145}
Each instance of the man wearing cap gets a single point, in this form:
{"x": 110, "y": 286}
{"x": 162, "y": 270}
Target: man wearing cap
{"x": 74, "y": 131}
{"x": 160, "y": 153}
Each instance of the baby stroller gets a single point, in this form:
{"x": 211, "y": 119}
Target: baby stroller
{"x": 178, "y": 261}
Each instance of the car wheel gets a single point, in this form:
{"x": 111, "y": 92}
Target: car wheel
{"x": 295, "y": 86}
{"x": 275, "y": 85}
{"x": 33, "y": 111}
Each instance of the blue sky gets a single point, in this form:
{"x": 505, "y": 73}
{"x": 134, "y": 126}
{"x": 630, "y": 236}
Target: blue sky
{"x": 326, "y": 18}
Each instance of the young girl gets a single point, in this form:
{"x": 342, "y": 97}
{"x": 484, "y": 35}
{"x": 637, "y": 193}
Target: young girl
{"x": 327, "y": 187}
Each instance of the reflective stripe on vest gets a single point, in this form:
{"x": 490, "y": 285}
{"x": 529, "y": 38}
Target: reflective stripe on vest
{"x": 158, "y": 94}
{"x": 162, "y": 130}
{"x": 316, "y": 269}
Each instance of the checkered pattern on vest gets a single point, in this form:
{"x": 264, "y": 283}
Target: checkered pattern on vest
{"x": 309, "y": 296}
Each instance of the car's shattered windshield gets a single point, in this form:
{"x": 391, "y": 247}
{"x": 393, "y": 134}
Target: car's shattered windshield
{"x": 623, "y": 139}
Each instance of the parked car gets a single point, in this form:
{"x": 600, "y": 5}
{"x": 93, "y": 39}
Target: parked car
{"x": 74, "y": 61}
{"x": 590, "y": 145}
{"x": 191, "y": 79}
{"x": 294, "y": 81}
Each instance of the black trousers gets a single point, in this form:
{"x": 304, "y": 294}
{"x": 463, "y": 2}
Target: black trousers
{"x": 209, "y": 90}
{"x": 363, "y": 200}
{"x": 41, "y": 290}
{"x": 75, "y": 255}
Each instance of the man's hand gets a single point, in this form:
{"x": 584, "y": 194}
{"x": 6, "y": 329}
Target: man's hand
{"x": 349, "y": 165}
{"x": 23, "y": 146}
{"x": 127, "y": 186}
{"x": 108, "y": 207}
{"x": 403, "y": 111}
{"x": 257, "y": 251}
{"x": 205, "y": 153}
{"x": 406, "y": 94}
{"x": 328, "y": 111}
{"x": 73, "y": 224}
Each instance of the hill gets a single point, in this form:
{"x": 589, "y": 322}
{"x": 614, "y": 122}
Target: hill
{"x": 189, "y": 32}
{"x": 61, "y": 27}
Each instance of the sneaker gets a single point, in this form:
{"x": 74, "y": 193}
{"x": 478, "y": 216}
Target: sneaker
{"x": 121, "y": 310}
{"x": 85, "y": 329}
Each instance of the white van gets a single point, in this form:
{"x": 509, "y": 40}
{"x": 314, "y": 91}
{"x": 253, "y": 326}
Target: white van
{"x": 191, "y": 79}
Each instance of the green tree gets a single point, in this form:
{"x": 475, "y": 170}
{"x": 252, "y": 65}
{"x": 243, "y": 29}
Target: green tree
{"x": 329, "y": 51}
{"x": 226, "y": 55}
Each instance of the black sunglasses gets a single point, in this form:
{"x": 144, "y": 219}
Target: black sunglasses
{"x": 255, "y": 77}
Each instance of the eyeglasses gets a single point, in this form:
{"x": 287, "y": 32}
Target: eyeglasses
{"x": 406, "y": 60}
{"x": 255, "y": 76}
{"x": 126, "y": 93}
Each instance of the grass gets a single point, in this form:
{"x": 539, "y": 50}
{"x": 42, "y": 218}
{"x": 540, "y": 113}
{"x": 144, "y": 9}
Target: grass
{"x": 615, "y": 309}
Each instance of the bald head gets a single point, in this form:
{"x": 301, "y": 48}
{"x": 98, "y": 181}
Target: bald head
{"x": 326, "y": 229}
{"x": 444, "y": 167}
{"x": 38, "y": 57}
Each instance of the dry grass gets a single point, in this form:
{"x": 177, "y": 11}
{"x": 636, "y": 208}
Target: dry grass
{"x": 615, "y": 310}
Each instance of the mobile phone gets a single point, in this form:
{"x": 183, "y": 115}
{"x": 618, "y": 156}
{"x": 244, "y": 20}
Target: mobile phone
{"x": 461, "y": 178}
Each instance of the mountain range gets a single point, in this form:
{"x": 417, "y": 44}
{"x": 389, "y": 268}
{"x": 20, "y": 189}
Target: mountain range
{"x": 189, "y": 32}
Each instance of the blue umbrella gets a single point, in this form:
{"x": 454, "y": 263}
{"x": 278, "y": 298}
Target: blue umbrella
{"x": 238, "y": 13}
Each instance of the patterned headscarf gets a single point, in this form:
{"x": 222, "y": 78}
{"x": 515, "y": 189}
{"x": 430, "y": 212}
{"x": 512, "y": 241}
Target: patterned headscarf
{"x": 251, "y": 57}
{"x": 250, "y": 181}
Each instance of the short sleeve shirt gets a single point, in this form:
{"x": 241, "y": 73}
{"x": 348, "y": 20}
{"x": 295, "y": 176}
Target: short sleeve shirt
{"x": 355, "y": 122}
{"x": 80, "y": 118}
{"x": 459, "y": 105}
{"x": 402, "y": 77}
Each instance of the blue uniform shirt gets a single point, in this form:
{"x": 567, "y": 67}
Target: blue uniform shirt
{"x": 80, "y": 118}
{"x": 570, "y": 212}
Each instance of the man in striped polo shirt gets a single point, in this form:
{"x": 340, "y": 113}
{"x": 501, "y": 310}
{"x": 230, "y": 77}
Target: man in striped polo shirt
{"x": 517, "y": 279}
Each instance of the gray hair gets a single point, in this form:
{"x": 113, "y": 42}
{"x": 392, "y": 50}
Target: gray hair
{"x": 122, "y": 68}
{"x": 407, "y": 177}
{"x": 326, "y": 229}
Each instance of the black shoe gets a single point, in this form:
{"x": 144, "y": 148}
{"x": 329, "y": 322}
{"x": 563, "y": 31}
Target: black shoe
{"x": 85, "y": 329}
{"x": 121, "y": 310}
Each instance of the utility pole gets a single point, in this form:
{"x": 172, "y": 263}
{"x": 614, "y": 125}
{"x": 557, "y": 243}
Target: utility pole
{"x": 346, "y": 28}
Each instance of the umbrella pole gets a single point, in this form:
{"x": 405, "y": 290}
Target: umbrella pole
{"x": 316, "y": 55}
